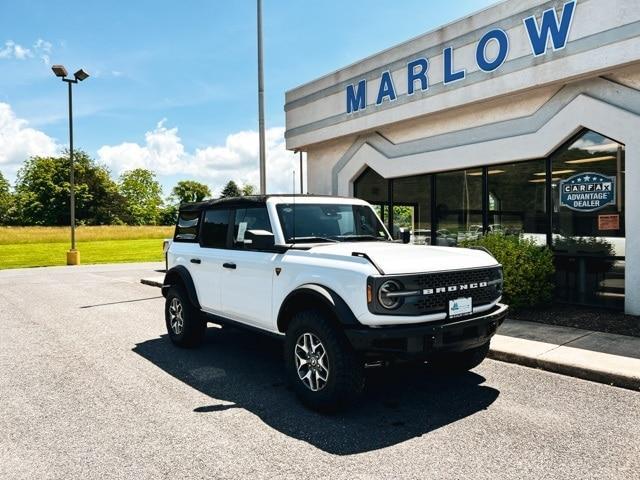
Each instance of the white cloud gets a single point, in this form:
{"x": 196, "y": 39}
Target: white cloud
{"x": 164, "y": 153}
{"x": 13, "y": 50}
{"x": 41, "y": 49}
{"x": 18, "y": 141}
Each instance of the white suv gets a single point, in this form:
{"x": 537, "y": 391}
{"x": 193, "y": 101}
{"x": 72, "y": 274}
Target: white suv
{"x": 324, "y": 274}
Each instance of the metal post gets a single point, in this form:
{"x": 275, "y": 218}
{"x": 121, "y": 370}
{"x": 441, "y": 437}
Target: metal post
{"x": 71, "y": 174}
{"x": 301, "y": 176}
{"x": 263, "y": 174}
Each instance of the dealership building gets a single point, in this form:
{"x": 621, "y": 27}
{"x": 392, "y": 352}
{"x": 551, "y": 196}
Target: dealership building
{"x": 523, "y": 118}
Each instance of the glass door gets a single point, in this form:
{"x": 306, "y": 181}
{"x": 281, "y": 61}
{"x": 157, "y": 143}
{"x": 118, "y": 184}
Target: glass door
{"x": 587, "y": 220}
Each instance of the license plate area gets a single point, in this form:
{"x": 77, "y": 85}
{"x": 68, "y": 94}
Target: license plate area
{"x": 459, "y": 307}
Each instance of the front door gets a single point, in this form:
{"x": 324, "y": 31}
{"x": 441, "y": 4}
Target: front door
{"x": 247, "y": 279}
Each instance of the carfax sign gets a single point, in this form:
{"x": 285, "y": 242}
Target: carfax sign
{"x": 587, "y": 192}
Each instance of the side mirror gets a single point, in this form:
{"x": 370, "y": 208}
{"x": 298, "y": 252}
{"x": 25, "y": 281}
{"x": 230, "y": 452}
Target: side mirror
{"x": 259, "y": 240}
{"x": 405, "y": 235}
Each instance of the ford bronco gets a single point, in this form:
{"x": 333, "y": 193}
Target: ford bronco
{"x": 324, "y": 274}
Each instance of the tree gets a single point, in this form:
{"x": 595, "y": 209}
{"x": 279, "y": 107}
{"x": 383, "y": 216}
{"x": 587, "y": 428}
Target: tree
{"x": 168, "y": 214}
{"x": 42, "y": 192}
{"x": 143, "y": 196}
{"x": 231, "y": 189}
{"x": 248, "y": 189}
{"x": 187, "y": 191}
{"x": 5, "y": 200}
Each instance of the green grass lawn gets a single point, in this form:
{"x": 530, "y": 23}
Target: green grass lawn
{"x": 19, "y": 250}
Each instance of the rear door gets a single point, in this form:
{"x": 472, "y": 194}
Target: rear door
{"x": 208, "y": 270}
{"x": 247, "y": 280}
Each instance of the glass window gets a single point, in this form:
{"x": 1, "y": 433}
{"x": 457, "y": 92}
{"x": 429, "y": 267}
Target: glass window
{"x": 187, "y": 227}
{"x": 458, "y": 206}
{"x": 517, "y": 196}
{"x": 587, "y": 164}
{"x": 412, "y": 207}
{"x": 370, "y": 186}
{"x": 253, "y": 218}
{"x": 306, "y": 222}
{"x": 214, "y": 228}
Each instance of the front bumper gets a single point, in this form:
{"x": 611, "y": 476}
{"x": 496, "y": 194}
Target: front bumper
{"x": 425, "y": 339}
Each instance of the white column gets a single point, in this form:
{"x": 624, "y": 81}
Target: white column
{"x": 632, "y": 220}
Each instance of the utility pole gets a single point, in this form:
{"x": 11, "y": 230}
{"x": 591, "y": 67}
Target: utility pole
{"x": 263, "y": 173}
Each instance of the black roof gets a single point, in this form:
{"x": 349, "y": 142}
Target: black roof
{"x": 242, "y": 201}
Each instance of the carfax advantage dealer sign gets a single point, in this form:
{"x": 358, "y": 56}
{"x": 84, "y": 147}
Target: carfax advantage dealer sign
{"x": 587, "y": 192}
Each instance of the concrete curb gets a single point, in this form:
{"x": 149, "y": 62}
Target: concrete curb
{"x": 609, "y": 378}
{"x": 596, "y": 366}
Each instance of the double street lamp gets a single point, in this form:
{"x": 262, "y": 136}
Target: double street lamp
{"x": 73, "y": 255}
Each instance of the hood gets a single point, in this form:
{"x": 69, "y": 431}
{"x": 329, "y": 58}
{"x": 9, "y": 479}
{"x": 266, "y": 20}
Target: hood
{"x": 398, "y": 258}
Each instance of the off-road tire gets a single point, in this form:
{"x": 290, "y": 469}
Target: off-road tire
{"x": 193, "y": 327}
{"x": 345, "y": 379}
{"x": 459, "y": 362}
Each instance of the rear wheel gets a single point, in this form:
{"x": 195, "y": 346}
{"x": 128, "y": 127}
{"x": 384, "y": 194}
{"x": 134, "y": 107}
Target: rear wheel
{"x": 322, "y": 368}
{"x": 185, "y": 325}
{"x": 459, "y": 362}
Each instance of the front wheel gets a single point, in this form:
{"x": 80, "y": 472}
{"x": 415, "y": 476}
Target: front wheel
{"x": 322, "y": 368}
{"x": 185, "y": 326}
{"x": 459, "y": 362}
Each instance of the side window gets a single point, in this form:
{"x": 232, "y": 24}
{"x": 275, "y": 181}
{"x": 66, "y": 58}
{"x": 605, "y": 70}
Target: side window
{"x": 214, "y": 228}
{"x": 252, "y": 218}
{"x": 187, "y": 227}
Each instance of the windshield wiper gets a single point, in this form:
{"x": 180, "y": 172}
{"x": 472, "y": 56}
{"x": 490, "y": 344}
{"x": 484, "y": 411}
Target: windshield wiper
{"x": 362, "y": 237}
{"x": 313, "y": 239}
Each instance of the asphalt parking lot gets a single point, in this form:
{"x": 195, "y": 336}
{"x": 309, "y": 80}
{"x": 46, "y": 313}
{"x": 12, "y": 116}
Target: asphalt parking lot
{"x": 90, "y": 387}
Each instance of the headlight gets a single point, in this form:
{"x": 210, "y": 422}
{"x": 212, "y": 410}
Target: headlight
{"x": 389, "y": 301}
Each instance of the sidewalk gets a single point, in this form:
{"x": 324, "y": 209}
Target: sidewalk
{"x": 599, "y": 357}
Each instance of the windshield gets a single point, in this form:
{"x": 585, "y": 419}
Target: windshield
{"x": 322, "y": 222}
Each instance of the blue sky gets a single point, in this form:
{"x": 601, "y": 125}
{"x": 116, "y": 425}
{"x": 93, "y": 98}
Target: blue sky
{"x": 173, "y": 84}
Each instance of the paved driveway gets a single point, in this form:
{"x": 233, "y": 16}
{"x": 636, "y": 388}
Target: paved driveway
{"x": 90, "y": 387}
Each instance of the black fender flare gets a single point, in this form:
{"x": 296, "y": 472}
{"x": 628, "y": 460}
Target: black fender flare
{"x": 179, "y": 275}
{"x": 311, "y": 293}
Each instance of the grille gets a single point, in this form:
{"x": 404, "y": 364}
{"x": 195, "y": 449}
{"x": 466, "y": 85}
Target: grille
{"x": 439, "y": 302}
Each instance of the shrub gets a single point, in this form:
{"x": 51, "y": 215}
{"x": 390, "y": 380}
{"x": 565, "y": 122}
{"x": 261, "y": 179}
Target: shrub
{"x": 528, "y": 268}
{"x": 576, "y": 245}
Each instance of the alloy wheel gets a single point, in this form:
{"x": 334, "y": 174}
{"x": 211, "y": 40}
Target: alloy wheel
{"x": 312, "y": 362}
{"x": 176, "y": 316}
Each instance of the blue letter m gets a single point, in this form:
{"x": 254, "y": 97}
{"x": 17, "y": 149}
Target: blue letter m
{"x": 357, "y": 97}
{"x": 539, "y": 36}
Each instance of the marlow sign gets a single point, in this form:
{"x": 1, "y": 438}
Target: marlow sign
{"x": 587, "y": 192}
{"x": 550, "y": 27}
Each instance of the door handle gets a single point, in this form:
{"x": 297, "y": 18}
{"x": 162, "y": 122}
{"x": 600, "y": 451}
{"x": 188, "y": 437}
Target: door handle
{"x": 195, "y": 260}
{"x": 230, "y": 265}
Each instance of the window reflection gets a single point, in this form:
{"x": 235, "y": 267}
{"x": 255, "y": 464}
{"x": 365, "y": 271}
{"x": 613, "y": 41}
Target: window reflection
{"x": 370, "y": 186}
{"x": 458, "y": 206}
{"x": 412, "y": 207}
{"x": 517, "y": 199}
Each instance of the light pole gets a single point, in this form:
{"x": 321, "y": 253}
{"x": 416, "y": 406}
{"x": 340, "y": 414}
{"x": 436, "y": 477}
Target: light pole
{"x": 73, "y": 255}
{"x": 263, "y": 173}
